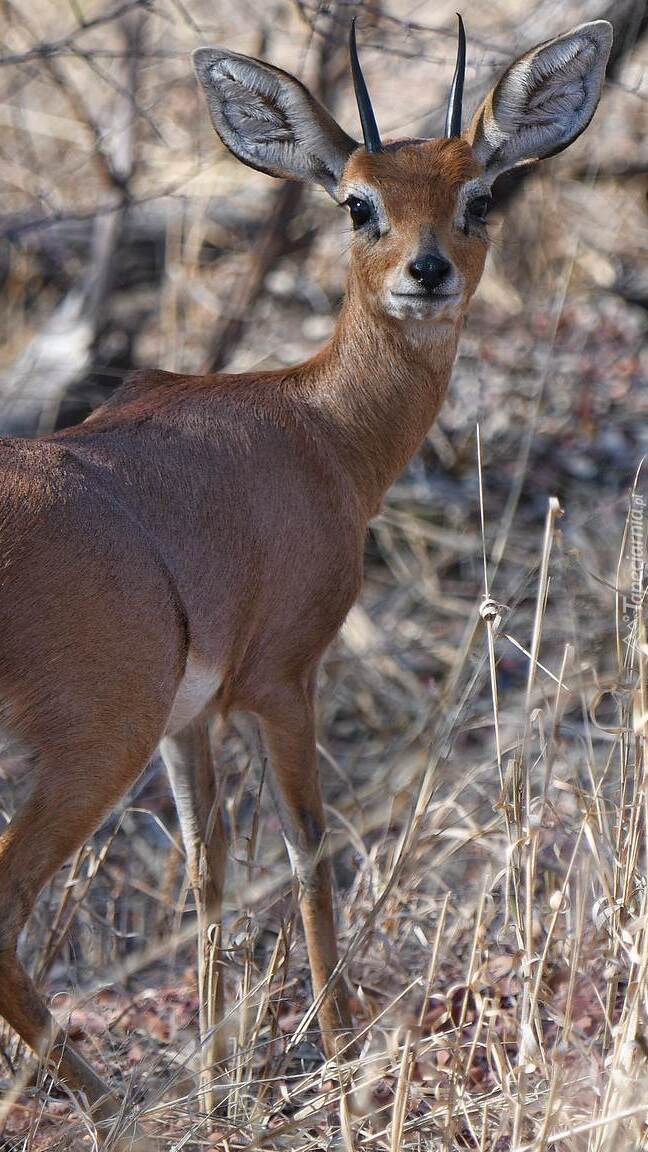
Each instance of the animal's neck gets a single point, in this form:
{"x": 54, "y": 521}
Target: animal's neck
{"x": 381, "y": 387}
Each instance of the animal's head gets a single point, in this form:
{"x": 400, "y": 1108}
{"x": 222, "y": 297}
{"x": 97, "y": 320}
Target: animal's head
{"x": 418, "y": 207}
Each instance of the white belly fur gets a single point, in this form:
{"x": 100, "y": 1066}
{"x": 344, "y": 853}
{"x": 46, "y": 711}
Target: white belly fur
{"x": 197, "y": 687}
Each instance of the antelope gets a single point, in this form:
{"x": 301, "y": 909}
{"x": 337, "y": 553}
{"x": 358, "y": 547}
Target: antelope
{"x": 193, "y": 547}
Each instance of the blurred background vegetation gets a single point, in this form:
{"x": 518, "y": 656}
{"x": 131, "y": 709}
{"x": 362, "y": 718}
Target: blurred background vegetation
{"x": 490, "y": 846}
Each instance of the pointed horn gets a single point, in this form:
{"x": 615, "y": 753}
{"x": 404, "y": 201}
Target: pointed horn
{"x": 367, "y": 118}
{"x": 453, "y": 115}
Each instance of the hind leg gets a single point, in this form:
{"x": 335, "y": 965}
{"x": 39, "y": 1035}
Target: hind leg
{"x": 66, "y": 804}
{"x": 189, "y": 762}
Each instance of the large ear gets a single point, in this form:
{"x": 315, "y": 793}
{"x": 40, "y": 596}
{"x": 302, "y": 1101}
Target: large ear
{"x": 270, "y": 121}
{"x": 543, "y": 101}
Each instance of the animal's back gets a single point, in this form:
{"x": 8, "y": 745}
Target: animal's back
{"x": 246, "y": 501}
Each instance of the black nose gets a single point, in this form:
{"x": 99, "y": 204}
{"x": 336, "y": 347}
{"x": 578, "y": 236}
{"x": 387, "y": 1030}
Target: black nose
{"x": 429, "y": 270}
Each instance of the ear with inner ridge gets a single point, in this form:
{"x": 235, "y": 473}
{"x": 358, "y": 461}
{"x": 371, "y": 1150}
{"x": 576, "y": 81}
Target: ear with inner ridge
{"x": 270, "y": 121}
{"x": 543, "y": 101}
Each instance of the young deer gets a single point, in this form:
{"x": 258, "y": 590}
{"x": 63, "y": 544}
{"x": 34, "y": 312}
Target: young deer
{"x": 194, "y": 546}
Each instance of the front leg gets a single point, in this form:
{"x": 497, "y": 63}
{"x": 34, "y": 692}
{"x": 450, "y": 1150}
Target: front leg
{"x": 189, "y": 762}
{"x": 288, "y": 729}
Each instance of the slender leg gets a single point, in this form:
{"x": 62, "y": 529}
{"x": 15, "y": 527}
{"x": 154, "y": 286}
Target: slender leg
{"x": 189, "y": 763}
{"x": 37, "y": 842}
{"x": 288, "y": 729}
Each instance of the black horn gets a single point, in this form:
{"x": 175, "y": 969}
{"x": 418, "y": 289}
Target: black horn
{"x": 367, "y": 118}
{"x": 453, "y": 115}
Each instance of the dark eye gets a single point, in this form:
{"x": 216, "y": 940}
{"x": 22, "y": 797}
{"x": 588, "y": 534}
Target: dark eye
{"x": 477, "y": 211}
{"x": 360, "y": 211}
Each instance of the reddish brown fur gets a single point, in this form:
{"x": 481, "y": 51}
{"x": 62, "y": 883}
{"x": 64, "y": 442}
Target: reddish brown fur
{"x": 224, "y": 515}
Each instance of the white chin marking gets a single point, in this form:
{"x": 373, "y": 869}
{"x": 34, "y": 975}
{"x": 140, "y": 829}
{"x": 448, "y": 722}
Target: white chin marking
{"x": 425, "y": 310}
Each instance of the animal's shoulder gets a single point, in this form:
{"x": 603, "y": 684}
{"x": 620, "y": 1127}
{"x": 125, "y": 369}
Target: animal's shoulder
{"x": 142, "y": 392}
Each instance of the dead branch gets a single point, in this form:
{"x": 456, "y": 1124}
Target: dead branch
{"x": 270, "y": 247}
{"x": 54, "y": 47}
{"x": 61, "y": 353}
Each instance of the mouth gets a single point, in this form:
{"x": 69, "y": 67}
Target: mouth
{"x": 420, "y": 304}
{"x": 427, "y": 297}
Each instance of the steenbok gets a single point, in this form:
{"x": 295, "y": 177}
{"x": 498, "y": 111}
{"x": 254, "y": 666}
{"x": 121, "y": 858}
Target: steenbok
{"x": 194, "y": 546}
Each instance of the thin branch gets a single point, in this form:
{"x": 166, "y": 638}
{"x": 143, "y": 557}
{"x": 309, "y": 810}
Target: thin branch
{"x": 52, "y": 47}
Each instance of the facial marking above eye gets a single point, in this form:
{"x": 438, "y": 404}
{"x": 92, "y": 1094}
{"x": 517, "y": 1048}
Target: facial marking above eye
{"x": 360, "y": 210}
{"x": 476, "y": 211}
